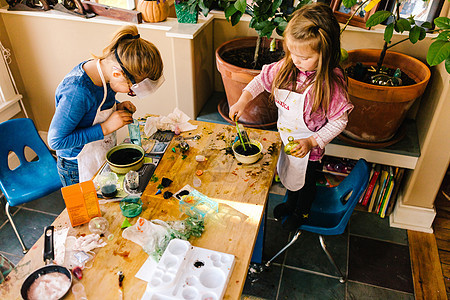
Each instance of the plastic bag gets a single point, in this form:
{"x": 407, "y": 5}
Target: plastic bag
{"x": 154, "y": 236}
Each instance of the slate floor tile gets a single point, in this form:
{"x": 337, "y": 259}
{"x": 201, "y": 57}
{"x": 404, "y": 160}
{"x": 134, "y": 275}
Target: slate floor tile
{"x": 380, "y": 263}
{"x": 274, "y": 200}
{"x": 52, "y": 203}
{"x": 301, "y": 285}
{"x": 306, "y": 253}
{"x": 371, "y": 225}
{"x": 262, "y": 284}
{"x": 274, "y": 239}
{"x": 357, "y": 291}
{"x": 30, "y": 225}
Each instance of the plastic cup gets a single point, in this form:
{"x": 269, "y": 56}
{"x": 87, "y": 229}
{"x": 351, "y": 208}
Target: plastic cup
{"x": 108, "y": 183}
{"x": 131, "y": 206}
{"x": 135, "y": 132}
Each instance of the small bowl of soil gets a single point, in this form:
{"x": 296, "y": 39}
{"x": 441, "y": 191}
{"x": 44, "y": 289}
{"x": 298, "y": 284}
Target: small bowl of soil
{"x": 125, "y": 157}
{"x": 252, "y": 152}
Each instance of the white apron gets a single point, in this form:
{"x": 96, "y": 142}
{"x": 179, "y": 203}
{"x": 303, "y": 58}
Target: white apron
{"x": 291, "y": 169}
{"x": 93, "y": 154}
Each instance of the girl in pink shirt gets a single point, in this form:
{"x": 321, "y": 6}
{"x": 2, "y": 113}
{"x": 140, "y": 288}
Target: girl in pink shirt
{"x": 310, "y": 92}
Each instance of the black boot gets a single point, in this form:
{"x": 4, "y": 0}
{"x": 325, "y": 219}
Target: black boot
{"x": 281, "y": 210}
{"x": 294, "y": 221}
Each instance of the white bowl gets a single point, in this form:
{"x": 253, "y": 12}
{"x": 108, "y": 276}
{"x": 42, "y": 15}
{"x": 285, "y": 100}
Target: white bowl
{"x": 247, "y": 159}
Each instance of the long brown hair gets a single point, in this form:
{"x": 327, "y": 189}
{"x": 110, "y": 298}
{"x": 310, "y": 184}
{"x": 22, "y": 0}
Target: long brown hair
{"x": 140, "y": 57}
{"x": 315, "y": 24}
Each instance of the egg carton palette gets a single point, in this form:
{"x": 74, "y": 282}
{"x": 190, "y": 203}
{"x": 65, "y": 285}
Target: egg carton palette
{"x": 190, "y": 273}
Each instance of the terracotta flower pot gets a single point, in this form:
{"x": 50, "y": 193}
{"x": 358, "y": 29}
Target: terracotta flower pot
{"x": 380, "y": 110}
{"x": 260, "y": 113}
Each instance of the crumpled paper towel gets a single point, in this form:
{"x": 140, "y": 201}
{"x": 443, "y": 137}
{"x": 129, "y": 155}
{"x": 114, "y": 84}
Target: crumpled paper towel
{"x": 175, "y": 121}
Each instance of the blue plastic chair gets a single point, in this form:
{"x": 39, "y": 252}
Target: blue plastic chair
{"x": 31, "y": 179}
{"x": 330, "y": 212}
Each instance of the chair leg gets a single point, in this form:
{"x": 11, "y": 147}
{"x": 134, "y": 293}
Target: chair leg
{"x": 296, "y": 235}
{"x": 24, "y": 248}
{"x": 342, "y": 279}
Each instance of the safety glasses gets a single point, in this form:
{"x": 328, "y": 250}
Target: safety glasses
{"x": 143, "y": 88}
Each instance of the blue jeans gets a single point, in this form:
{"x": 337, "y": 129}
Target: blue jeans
{"x": 68, "y": 171}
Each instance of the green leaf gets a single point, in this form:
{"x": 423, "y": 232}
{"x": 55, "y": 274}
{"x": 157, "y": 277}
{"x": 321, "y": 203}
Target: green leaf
{"x": 349, "y": 3}
{"x": 423, "y": 34}
{"x": 438, "y": 52}
{"x": 444, "y": 36}
{"x": 236, "y": 17}
{"x": 442, "y": 22}
{"x": 229, "y": 11}
{"x": 281, "y": 27}
{"x": 427, "y": 25}
{"x": 276, "y": 4}
{"x": 267, "y": 30}
{"x": 388, "y": 32}
{"x": 240, "y": 5}
{"x": 377, "y": 18}
{"x": 403, "y": 25}
{"x": 414, "y": 34}
{"x": 260, "y": 25}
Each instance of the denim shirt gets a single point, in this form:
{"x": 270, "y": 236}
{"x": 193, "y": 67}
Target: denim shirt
{"x": 77, "y": 99}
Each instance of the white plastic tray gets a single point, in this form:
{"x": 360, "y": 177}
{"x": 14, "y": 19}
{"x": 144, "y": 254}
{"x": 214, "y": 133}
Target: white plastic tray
{"x": 190, "y": 273}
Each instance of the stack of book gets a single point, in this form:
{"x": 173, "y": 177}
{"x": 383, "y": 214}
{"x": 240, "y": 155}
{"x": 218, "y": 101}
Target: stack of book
{"x": 381, "y": 193}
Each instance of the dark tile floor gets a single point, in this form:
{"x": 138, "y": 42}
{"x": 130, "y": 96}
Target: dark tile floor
{"x": 374, "y": 256}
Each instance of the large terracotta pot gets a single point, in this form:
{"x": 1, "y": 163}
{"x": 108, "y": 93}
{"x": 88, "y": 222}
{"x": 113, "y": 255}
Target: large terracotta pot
{"x": 259, "y": 113}
{"x": 380, "y": 110}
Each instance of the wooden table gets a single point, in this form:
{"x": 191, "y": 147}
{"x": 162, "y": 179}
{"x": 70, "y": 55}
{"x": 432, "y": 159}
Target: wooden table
{"x": 240, "y": 190}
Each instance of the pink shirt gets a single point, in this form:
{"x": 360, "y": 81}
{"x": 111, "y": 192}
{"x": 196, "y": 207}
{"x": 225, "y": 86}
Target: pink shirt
{"x": 325, "y": 128}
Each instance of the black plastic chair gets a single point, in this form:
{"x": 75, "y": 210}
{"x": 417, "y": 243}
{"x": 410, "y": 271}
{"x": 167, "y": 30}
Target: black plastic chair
{"x": 31, "y": 180}
{"x": 330, "y": 211}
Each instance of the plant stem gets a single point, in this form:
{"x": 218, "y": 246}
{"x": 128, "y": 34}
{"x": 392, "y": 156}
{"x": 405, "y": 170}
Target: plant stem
{"x": 351, "y": 17}
{"x": 255, "y": 56}
{"x": 382, "y": 54}
{"x": 401, "y": 41}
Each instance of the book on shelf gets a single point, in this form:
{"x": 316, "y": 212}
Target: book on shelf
{"x": 374, "y": 195}
{"x": 383, "y": 180}
{"x": 398, "y": 180}
{"x": 387, "y": 198}
{"x": 381, "y": 198}
{"x": 370, "y": 187}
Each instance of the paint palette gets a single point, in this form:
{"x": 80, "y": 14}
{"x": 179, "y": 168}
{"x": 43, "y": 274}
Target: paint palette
{"x": 188, "y": 272}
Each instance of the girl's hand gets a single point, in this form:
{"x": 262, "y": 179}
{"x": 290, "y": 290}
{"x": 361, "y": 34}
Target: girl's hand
{"x": 236, "y": 110}
{"x": 126, "y": 105}
{"x": 116, "y": 120}
{"x": 303, "y": 147}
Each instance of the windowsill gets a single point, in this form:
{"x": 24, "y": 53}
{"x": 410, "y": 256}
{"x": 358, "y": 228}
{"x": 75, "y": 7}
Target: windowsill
{"x": 170, "y": 25}
{"x": 10, "y": 108}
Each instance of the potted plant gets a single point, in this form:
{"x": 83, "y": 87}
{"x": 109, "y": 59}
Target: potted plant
{"x": 380, "y": 95}
{"x": 187, "y": 10}
{"x": 266, "y": 17}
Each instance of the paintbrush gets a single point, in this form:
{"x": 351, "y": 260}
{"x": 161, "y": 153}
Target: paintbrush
{"x": 121, "y": 276}
{"x": 240, "y": 135}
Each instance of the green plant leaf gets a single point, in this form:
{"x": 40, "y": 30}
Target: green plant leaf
{"x": 229, "y": 11}
{"x": 378, "y": 17}
{"x": 267, "y": 30}
{"x": 442, "y": 22}
{"x": 403, "y": 25}
{"x": 275, "y": 5}
{"x": 235, "y": 18}
{"x": 240, "y": 5}
{"x": 423, "y": 33}
{"x": 388, "y": 32}
{"x": 427, "y": 25}
{"x": 438, "y": 52}
{"x": 414, "y": 34}
{"x": 444, "y": 36}
{"x": 349, "y": 3}
{"x": 447, "y": 65}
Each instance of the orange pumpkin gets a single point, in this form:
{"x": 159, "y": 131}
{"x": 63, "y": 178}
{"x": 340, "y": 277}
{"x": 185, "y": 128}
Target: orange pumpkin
{"x": 152, "y": 11}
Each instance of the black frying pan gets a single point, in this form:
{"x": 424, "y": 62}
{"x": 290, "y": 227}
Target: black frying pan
{"x": 49, "y": 267}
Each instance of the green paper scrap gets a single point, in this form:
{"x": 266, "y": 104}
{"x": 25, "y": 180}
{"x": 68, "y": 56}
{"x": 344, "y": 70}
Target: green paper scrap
{"x": 125, "y": 224}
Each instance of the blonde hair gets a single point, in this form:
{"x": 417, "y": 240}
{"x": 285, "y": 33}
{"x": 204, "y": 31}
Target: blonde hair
{"x": 315, "y": 24}
{"x": 140, "y": 57}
